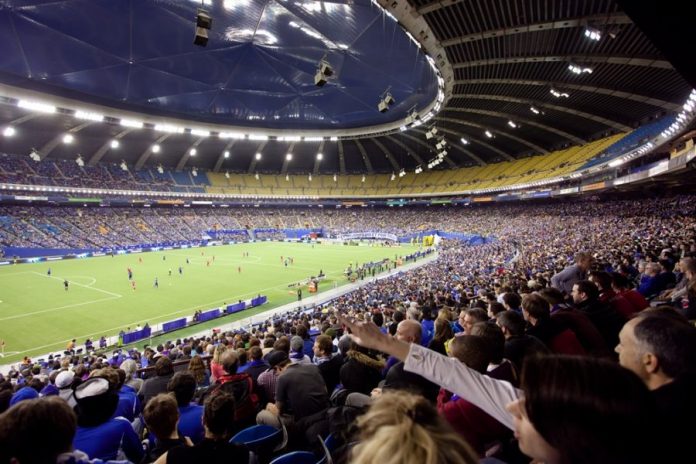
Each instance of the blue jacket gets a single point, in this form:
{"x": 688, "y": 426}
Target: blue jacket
{"x": 110, "y": 440}
{"x": 190, "y": 423}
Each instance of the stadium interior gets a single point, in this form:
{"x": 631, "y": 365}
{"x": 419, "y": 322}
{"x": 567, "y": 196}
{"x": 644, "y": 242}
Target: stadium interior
{"x": 363, "y": 231}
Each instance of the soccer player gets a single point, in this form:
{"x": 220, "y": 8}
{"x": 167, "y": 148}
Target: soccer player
{"x": 65, "y": 284}
{"x": 187, "y": 262}
{"x": 170, "y": 272}
{"x": 181, "y": 270}
{"x": 49, "y": 272}
{"x": 156, "y": 283}
{"x": 133, "y": 284}
{"x": 239, "y": 269}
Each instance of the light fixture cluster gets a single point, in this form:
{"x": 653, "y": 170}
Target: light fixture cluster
{"x": 386, "y": 100}
{"x": 431, "y": 133}
{"x": 419, "y": 169}
{"x": 558, "y": 94}
{"x": 593, "y": 34}
{"x": 575, "y": 69}
{"x": 324, "y": 71}
{"x": 683, "y": 118}
{"x": 512, "y": 124}
{"x": 204, "y": 22}
{"x": 534, "y": 110}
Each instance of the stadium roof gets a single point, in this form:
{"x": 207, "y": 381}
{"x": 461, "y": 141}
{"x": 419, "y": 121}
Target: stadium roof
{"x": 517, "y": 78}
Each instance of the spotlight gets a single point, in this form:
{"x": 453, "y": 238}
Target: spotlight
{"x": 258, "y": 156}
{"x": 160, "y": 169}
{"x": 34, "y": 155}
{"x": 123, "y": 165}
{"x": 203, "y": 23}
{"x": 441, "y": 144}
{"x": 386, "y": 101}
{"x": 320, "y": 156}
{"x": 155, "y": 148}
{"x": 309, "y": 178}
{"x": 193, "y": 152}
{"x": 287, "y": 177}
{"x": 256, "y": 176}
{"x": 227, "y": 174}
{"x": 115, "y": 144}
{"x": 68, "y": 138}
{"x": 194, "y": 172}
{"x": 335, "y": 178}
{"x": 288, "y": 157}
{"x": 9, "y": 131}
{"x": 363, "y": 178}
{"x": 393, "y": 176}
{"x": 402, "y": 173}
{"x": 431, "y": 133}
{"x": 80, "y": 162}
{"x": 226, "y": 154}
{"x": 323, "y": 72}
{"x": 412, "y": 116}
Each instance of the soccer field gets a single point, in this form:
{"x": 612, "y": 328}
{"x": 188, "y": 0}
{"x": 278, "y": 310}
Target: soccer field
{"x": 37, "y": 315}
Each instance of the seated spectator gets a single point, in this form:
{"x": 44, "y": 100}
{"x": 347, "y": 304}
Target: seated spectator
{"x": 552, "y": 333}
{"x": 200, "y": 372}
{"x": 183, "y": 386}
{"x": 443, "y": 333}
{"x": 162, "y": 417}
{"x": 498, "y": 367}
{"x": 404, "y": 428}
{"x": 361, "y": 372}
{"x": 328, "y": 362}
{"x": 570, "y": 410}
{"x": 659, "y": 346}
{"x": 41, "y": 431}
{"x": 297, "y": 354}
{"x": 473, "y": 424}
{"x": 519, "y": 346}
{"x": 152, "y": 387}
{"x": 219, "y": 423}
{"x": 621, "y": 285}
{"x": 607, "y": 320}
{"x": 608, "y": 296}
{"x": 99, "y": 434}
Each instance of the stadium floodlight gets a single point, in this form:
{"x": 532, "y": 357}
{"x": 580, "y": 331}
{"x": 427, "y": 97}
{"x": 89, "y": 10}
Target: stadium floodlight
{"x": 258, "y": 156}
{"x": 592, "y": 33}
{"x": 160, "y": 169}
{"x": 287, "y": 177}
{"x": 256, "y": 176}
{"x": 36, "y": 106}
{"x": 402, "y": 173}
{"x": 288, "y": 157}
{"x": 9, "y": 131}
{"x": 89, "y": 116}
{"x": 227, "y": 174}
{"x": 309, "y": 177}
{"x": 123, "y": 165}
{"x": 363, "y": 178}
{"x": 194, "y": 171}
{"x": 80, "y": 162}
{"x": 132, "y": 123}
{"x": 34, "y": 155}
{"x": 386, "y": 100}
{"x": 534, "y": 110}
{"x": 575, "y": 69}
{"x": 393, "y": 176}
{"x": 512, "y": 124}
{"x": 68, "y": 139}
{"x": 320, "y": 156}
{"x": 324, "y": 71}
{"x": 169, "y": 128}
{"x": 155, "y": 148}
{"x": 226, "y": 154}
{"x": 335, "y": 178}
{"x": 431, "y": 133}
{"x": 464, "y": 141}
{"x": 441, "y": 144}
{"x": 489, "y": 134}
{"x": 412, "y": 117}
{"x": 193, "y": 152}
{"x": 203, "y": 24}
{"x": 558, "y": 94}
{"x": 200, "y": 132}
{"x": 115, "y": 144}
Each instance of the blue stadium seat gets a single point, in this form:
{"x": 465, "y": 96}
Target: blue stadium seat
{"x": 259, "y": 436}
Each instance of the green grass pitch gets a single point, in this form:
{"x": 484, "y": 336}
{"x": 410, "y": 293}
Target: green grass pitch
{"x": 38, "y": 316}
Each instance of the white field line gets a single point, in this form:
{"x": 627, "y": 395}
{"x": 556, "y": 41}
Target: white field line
{"x": 117, "y": 295}
{"x": 111, "y": 330}
{"x": 50, "y": 310}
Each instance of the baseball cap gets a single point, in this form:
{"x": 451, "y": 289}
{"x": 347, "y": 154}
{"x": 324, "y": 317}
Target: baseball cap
{"x": 64, "y": 379}
{"x": 277, "y": 357}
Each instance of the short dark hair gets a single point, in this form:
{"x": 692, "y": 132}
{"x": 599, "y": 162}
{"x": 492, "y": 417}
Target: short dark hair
{"x": 495, "y": 338}
{"x": 256, "y": 353}
{"x": 536, "y": 306}
{"x": 37, "y": 431}
{"x": 161, "y": 414}
{"x": 163, "y": 366}
{"x": 183, "y": 386}
{"x": 512, "y": 321}
{"x": 511, "y": 299}
{"x": 325, "y": 344}
{"x": 670, "y": 337}
{"x": 480, "y": 314}
{"x": 552, "y": 295}
{"x": 588, "y": 288}
{"x": 602, "y": 279}
{"x": 472, "y": 350}
{"x": 219, "y": 413}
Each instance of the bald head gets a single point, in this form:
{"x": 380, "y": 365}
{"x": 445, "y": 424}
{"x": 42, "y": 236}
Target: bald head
{"x": 409, "y": 331}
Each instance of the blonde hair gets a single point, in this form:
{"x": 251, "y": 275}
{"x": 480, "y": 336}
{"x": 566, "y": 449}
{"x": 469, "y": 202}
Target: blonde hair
{"x": 402, "y": 428}
{"x": 218, "y": 351}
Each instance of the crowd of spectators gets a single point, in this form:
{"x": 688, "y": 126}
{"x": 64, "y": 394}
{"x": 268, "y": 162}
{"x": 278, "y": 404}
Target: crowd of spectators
{"x": 569, "y": 326}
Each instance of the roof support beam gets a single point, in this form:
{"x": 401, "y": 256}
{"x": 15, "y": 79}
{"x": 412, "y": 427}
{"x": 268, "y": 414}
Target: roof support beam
{"x": 187, "y": 154}
{"x": 418, "y": 159}
{"x": 584, "y": 59}
{"x": 479, "y": 141}
{"x": 317, "y": 161}
{"x": 451, "y": 163}
{"x": 531, "y": 145}
{"x": 607, "y": 122}
{"x": 341, "y": 158}
{"x": 365, "y": 158}
{"x": 146, "y": 154}
{"x": 221, "y": 158}
{"x": 252, "y": 165}
{"x": 387, "y": 153}
{"x": 58, "y": 139}
{"x": 97, "y": 156}
{"x": 583, "y": 88}
{"x": 594, "y": 20}
{"x": 286, "y": 161}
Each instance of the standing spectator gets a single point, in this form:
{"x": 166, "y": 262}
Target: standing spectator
{"x": 565, "y": 279}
